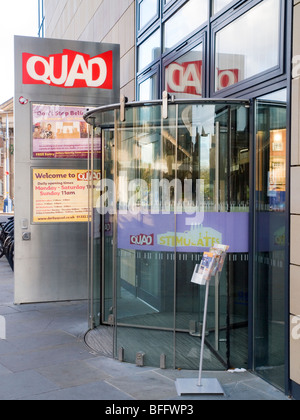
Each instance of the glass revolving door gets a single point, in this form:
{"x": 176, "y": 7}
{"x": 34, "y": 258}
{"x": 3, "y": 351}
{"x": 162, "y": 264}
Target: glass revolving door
{"x": 171, "y": 188}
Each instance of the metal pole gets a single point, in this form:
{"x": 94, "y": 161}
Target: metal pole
{"x": 203, "y": 334}
{"x": 217, "y": 203}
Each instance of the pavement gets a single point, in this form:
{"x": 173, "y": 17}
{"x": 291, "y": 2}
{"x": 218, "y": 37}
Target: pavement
{"x": 44, "y": 357}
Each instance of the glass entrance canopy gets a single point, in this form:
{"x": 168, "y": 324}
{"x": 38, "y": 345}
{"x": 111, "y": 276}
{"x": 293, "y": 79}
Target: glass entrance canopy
{"x": 172, "y": 181}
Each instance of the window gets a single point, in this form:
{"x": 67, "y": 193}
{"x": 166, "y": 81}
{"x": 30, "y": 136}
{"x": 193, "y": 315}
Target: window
{"x": 41, "y": 32}
{"x": 147, "y": 89}
{"x": 149, "y": 50}
{"x": 219, "y": 5}
{"x": 241, "y": 46}
{"x": 255, "y": 50}
{"x": 185, "y": 22}
{"x": 148, "y": 11}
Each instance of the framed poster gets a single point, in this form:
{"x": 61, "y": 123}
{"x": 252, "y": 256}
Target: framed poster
{"x": 61, "y": 195}
{"x": 60, "y": 132}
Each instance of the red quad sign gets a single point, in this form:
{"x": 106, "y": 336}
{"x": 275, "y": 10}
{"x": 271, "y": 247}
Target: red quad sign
{"x": 187, "y": 77}
{"x": 70, "y": 69}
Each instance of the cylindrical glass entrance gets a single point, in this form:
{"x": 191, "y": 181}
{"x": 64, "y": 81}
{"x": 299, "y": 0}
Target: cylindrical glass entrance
{"x": 171, "y": 188}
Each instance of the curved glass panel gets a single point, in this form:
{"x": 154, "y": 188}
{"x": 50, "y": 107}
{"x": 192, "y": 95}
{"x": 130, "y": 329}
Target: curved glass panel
{"x": 271, "y": 238}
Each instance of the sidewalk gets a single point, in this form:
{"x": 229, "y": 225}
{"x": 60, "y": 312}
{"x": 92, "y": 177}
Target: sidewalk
{"x": 44, "y": 357}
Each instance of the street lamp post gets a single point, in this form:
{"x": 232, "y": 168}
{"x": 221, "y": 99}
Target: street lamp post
{"x": 7, "y": 200}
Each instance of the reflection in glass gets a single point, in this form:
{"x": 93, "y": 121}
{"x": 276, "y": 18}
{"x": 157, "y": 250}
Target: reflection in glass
{"x": 149, "y": 50}
{"x": 148, "y": 10}
{"x": 184, "y": 76}
{"x": 108, "y": 142}
{"x": 147, "y": 89}
{"x": 271, "y": 241}
{"x": 219, "y": 5}
{"x": 184, "y": 22}
{"x": 254, "y": 50}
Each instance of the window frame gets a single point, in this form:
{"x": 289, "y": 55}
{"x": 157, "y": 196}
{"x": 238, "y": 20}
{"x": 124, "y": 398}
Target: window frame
{"x": 232, "y": 5}
{"x": 153, "y": 70}
{"x": 184, "y": 49}
{"x": 141, "y": 30}
{"x": 143, "y": 39}
{"x": 277, "y": 75}
{"x": 166, "y": 7}
{"x": 259, "y": 78}
{"x": 41, "y": 16}
{"x": 171, "y": 13}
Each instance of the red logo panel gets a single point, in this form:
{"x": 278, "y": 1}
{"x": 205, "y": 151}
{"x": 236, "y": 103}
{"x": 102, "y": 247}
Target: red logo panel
{"x": 70, "y": 69}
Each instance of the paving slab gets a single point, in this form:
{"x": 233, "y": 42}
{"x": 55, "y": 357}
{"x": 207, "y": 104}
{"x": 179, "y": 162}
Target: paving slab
{"x": 23, "y": 384}
{"x": 96, "y": 391}
{"x": 72, "y": 374}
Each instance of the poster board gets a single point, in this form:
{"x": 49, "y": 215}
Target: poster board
{"x": 61, "y": 195}
{"x": 60, "y": 132}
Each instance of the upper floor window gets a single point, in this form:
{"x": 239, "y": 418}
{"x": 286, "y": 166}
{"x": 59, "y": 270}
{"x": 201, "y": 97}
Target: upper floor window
{"x": 184, "y": 75}
{"x": 149, "y": 50}
{"x": 184, "y": 22}
{"x": 41, "y": 31}
{"x": 184, "y": 50}
{"x": 147, "y": 88}
{"x": 148, "y": 11}
{"x": 248, "y": 46}
{"x": 219, "y": 5}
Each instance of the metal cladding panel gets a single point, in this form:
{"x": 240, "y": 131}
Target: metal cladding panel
{"x": 53, "y": 265}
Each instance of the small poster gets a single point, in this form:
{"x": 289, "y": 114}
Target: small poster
{"x": 60, "y": 132}
{"x": 62, "y": 195}
{"x": 203, "y": 271}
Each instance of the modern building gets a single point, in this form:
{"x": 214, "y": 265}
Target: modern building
{"x": 232, "y": 71}
{"x": 6, "y": 151}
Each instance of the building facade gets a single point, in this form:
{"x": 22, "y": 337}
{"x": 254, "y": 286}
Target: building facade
{"x": 218, "y": 50}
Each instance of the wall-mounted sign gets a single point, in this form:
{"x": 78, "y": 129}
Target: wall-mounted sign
{"x": 60, "y": 132}
{"x": 67, "y": 72}
{"x": 61, "y": 195}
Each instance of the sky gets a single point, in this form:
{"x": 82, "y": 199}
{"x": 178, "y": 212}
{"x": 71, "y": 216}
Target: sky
{"x": 18, "y": 17}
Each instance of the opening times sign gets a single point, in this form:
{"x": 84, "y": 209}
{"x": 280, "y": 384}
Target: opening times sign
{"x": 60, "y": 132}
{"x": 61, "y": 195}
